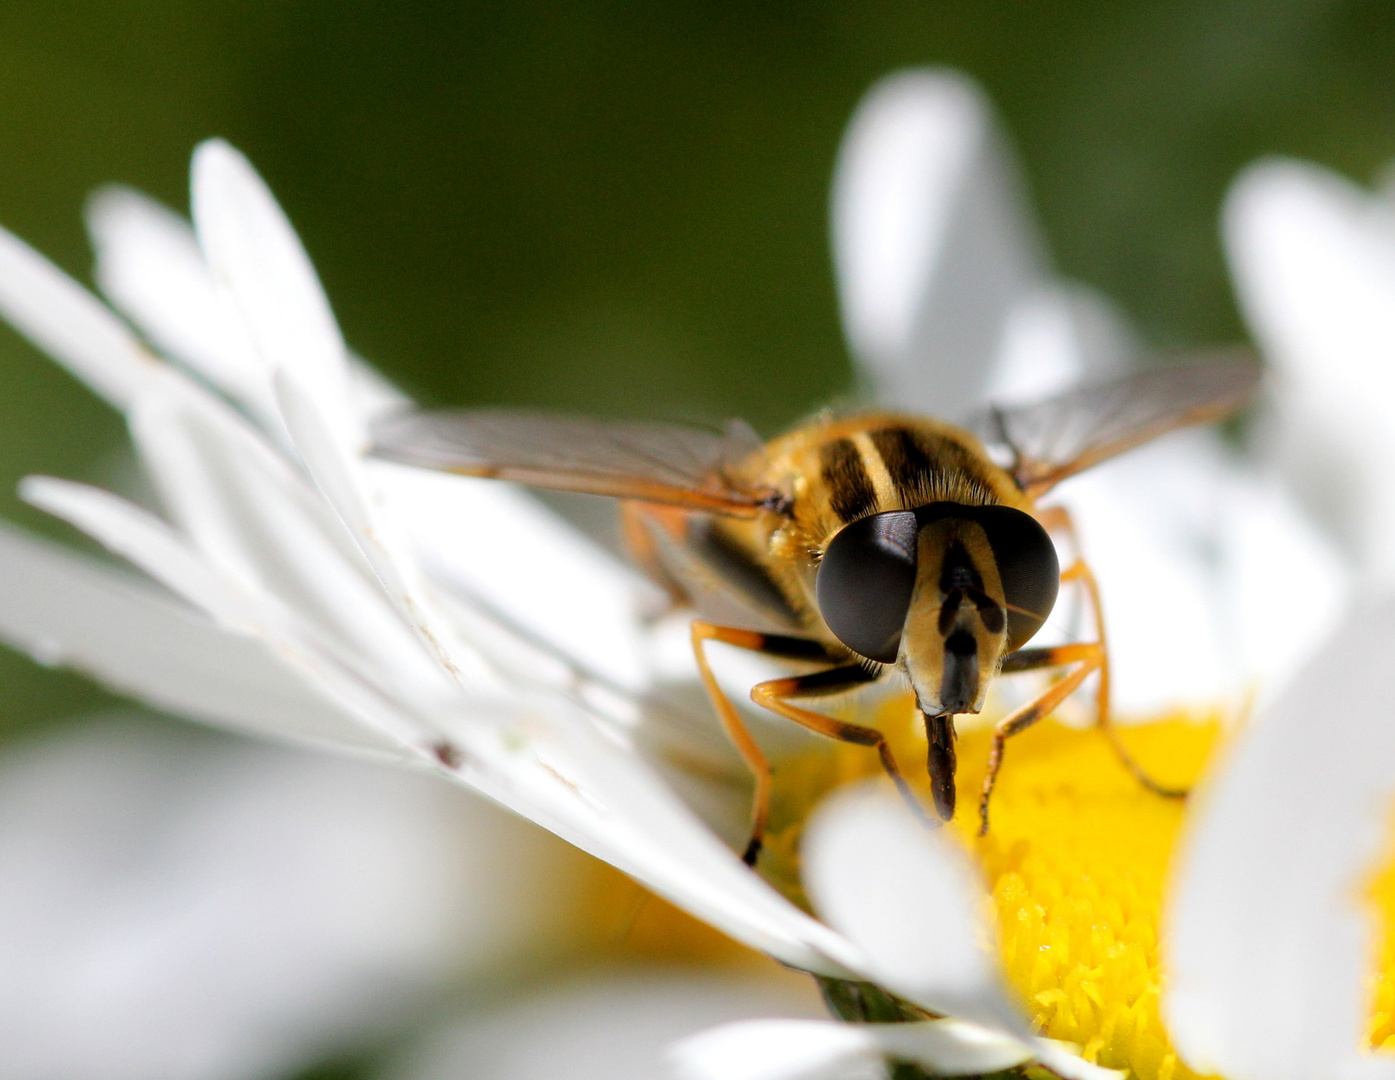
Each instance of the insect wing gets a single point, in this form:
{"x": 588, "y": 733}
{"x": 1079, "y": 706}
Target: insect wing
{"x": 1052, "y": 439}
{"x": 675, "y": 464}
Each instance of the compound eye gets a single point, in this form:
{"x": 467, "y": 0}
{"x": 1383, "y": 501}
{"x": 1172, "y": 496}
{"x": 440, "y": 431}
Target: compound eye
{"x": 865, "y": 582}
{"x": 1027, "y": 567}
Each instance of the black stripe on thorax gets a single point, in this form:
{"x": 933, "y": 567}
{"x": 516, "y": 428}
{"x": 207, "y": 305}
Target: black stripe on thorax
{"x": 907, "y": 460}
{"x": 850, "y": 490}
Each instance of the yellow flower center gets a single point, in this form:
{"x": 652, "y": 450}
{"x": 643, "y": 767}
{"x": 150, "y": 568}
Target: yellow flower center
{"x": 1076, "y": 862}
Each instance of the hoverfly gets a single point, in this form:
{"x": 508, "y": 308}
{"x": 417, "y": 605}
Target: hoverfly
{"x": 862, "y": 544}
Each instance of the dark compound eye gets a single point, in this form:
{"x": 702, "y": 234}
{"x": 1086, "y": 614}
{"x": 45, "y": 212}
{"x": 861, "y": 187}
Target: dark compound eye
{"x": 865, "y": 582}
{"x": 1027, "y": 566}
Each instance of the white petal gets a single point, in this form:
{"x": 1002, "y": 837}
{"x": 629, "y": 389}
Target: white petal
{"x": 179, "y": 906}
{"x": 67, "y": 610}
{"x": 607, "y": 1026}
{"x": 254, "y": 252}
{"x": 930, "y": 238}
{"x": 828, "y": 1050}
{"x": 1314, "y": 262}
{"x": 781, "y": 1050}
{"x": 636, "y": 822}
{"x": 341, "y": 478}
{"x": 133, "y": 533}
{"x": 1193, "y": 552}
{"x": 1061, "y": 1061}
{"x": 73, "y": 326}
{"x": 1268, "y": 948}
{"x": 501, "y": 547}
{"x": 903, "y": 893}
{"x": 136, "y": 535}
{"x": 258, "y": 521}
{"x": 1264, "y": 538}
{"x": 150, "y": 267}
{"x": 374, "y": 396}
{"x": 556, "y": 767}
{"x": 1057, "y": 335}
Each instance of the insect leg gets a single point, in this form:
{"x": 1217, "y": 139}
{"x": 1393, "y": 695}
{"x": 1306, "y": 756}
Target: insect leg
{"x": 773, "y": 645}
{"x": 1081, "y": 572}
{"x": 1089, "y": 657}
{"x": 1058, "y": 517}
{"x": 775, "y": 694}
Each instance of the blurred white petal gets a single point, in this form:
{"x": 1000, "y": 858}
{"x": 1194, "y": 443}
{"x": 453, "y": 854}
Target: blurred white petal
{"x": 135, "y": 534}
{"x": 1195, "y": 558}
{"x": 604, "y": 1027}
{"x": 71, "y": 325}
{"x": 65, "y": 609}
{"x": 1313, "y": 258}
{"x": 828, "y": 1050}
{"x": 780, "y": 1050}
{"x": 182, "y": 906}
{"x": 1055, "y": 336}
{"x": 150, "y": 266}
{"x": 930, "y": 240}
{"x": 909, "y": 899}
{"x": 1268, "y": 948}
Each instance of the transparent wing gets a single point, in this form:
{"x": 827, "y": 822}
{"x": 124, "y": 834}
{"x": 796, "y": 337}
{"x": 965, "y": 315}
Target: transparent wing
{"x": 1050, "y": 440}
{"x": 674, "y": 464}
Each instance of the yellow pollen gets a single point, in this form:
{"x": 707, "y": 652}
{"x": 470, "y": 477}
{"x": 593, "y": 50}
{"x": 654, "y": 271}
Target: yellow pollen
{"x": 1076, "y": 863}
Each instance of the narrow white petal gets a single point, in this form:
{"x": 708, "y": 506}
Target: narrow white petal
{"x": 254, "y": 252}
{"x": 1267, "y": 947}
{"x": 1313, "y": 257}
{"x": 339, "y": 473}
{"x": 67, "y": 610}
{"x": 501, "y": 547}
{"x": 150, "y": 267}
{"x": 135, "y": 534}
{"x": 828, "y": 1050}
{"x": 909, "y": 899}
{"x": 931, "y": 240}
{"x": 640, "y": 825}
{"x": 73, "y": 326}
{"x": 1070, "y": 1066}
{"x": 150, "y": 544}
{"x": 258, "y": 521}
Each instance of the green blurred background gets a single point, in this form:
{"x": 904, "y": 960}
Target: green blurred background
{"x": 619, "y": 206}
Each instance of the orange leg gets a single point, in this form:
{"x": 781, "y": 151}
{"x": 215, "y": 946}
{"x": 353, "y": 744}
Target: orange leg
{"x": 775, "y": 695}
{"x": 1092, "y": 657}
{"x": 746, "y": 745}
{"x": 1089, "y": 657}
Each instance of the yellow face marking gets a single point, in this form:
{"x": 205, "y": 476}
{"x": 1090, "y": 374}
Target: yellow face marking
{"x": 953, "y": 641}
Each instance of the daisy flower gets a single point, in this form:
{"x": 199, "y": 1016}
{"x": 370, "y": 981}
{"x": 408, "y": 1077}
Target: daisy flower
{"x": 293, "y": 586}
{"x": 1249, "y": 936}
